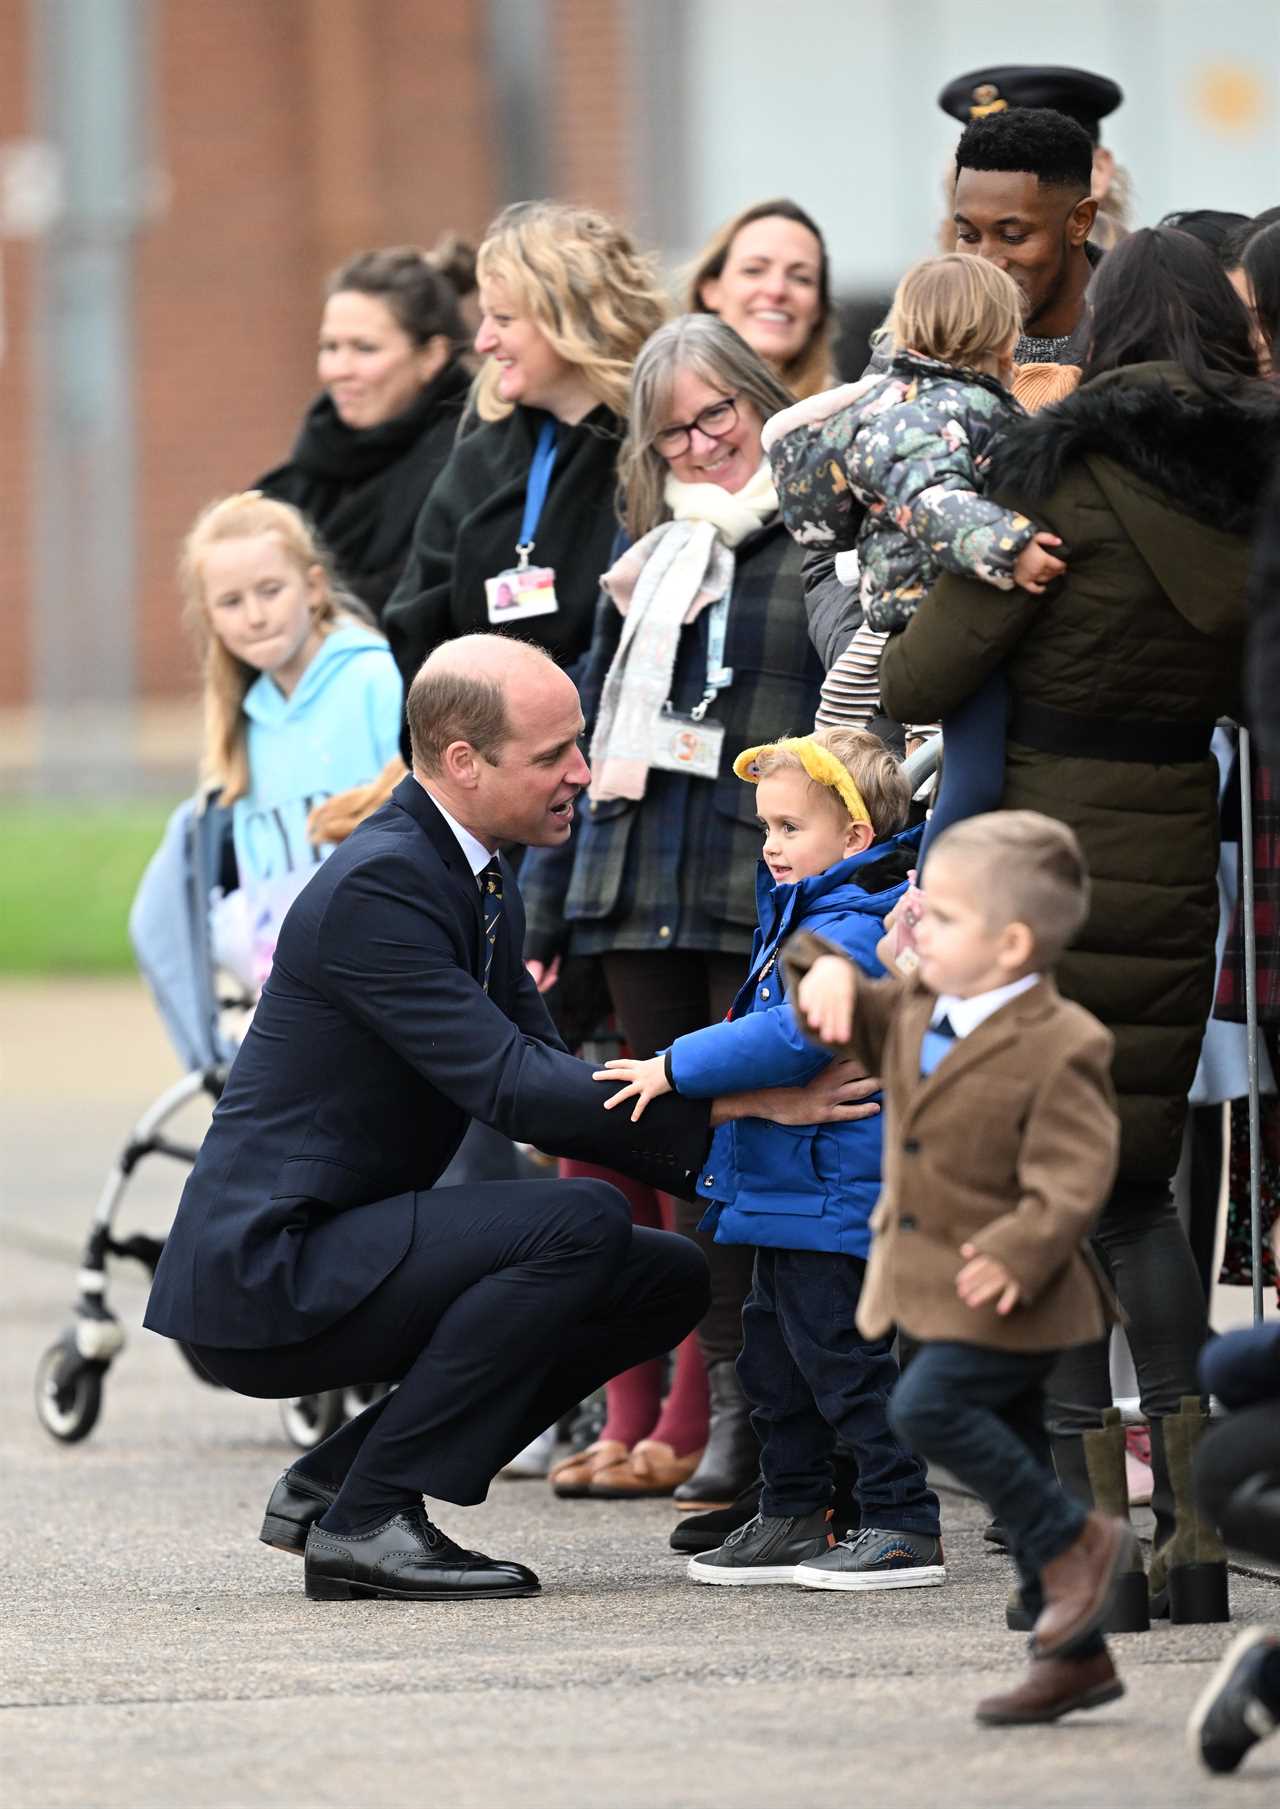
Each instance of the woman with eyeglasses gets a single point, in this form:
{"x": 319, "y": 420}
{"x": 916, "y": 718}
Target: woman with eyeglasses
{"x": 716, "y": 658}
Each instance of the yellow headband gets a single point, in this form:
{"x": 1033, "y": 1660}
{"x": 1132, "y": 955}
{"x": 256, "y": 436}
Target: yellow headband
{"x": 818, "y": 761}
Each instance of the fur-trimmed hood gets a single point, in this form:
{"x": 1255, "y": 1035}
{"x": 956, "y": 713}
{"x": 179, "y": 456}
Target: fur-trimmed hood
{"x": 1208, "y": 456}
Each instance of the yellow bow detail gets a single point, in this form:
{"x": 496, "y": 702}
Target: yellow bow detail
{"x": 820, "y": 764}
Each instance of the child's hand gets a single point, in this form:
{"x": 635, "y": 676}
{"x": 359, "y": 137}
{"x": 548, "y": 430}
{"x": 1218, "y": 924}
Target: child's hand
{"x": 1034, "y": 568}
{"x": 824, "y": 998}
{"x": 645, "y": 1081}
{"x": 984, "y": 1279}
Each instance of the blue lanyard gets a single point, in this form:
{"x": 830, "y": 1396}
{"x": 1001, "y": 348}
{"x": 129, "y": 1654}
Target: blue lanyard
{"x": 535, "y": 494}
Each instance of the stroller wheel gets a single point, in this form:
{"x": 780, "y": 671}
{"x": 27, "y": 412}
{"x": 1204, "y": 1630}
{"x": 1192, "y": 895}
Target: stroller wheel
{"x": 308, "y": 1419}
{"x": 68, "y": 1392}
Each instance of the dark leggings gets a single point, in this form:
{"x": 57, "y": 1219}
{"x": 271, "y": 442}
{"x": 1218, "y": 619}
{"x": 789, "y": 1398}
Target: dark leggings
{"x": 1148, "y": 1260}
{"x": 658, "y": 995}
{"x": 973, "y": 738}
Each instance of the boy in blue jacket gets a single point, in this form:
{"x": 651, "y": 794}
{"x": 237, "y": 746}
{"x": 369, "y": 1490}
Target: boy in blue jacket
{"x": 836, "y": 858}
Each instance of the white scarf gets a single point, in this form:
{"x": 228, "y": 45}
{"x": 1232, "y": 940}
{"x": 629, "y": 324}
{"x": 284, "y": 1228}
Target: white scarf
{"x": 660, "y": 585}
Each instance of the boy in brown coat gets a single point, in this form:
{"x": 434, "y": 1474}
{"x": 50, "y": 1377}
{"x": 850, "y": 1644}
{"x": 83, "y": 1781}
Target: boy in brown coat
{"x": 1000, "y": 1148}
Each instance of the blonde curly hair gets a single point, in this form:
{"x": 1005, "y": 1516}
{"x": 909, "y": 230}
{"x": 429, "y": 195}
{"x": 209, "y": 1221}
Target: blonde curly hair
{"x": 582, "y": 282}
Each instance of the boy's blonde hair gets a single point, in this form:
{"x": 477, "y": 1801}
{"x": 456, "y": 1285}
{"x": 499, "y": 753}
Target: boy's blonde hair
{"x": 880, "y": 780}
{"x": 586, "y": 287}
{"x": 225, "y": 760}
{"x": 1032, "y": 871}
{"x": 958, "y": 309}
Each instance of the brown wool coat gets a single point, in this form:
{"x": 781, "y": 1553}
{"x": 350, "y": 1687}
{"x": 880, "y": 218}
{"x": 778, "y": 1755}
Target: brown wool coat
{"x": 1009, "y": 1145}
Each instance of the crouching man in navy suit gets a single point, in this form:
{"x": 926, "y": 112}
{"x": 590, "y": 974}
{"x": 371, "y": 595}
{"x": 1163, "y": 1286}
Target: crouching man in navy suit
{"x": 309, "y": 1251}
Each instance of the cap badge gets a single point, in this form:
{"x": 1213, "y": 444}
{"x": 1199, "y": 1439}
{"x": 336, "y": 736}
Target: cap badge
{"x": 986, "y": 99}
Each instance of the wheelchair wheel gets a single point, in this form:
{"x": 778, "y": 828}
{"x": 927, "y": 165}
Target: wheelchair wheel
{"x": 68, "y": 1393}
{"x": 308, "y": 1419}
{"x": 355, "y": 1400}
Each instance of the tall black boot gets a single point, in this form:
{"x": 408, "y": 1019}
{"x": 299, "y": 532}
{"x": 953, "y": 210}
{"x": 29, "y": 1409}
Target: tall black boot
{"x": 1188, "y": 1575}
{"x": 732, "y": 1455}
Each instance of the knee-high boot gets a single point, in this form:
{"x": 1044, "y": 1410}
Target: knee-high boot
{"x": 1188, "y": 1576}
{"x": 1091, "y": 1469}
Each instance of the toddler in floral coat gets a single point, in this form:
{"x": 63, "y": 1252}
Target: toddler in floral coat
{"x": 912, "y": 444}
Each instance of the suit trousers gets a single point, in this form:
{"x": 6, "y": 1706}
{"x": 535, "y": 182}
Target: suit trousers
{"x": 513, "y": 1302}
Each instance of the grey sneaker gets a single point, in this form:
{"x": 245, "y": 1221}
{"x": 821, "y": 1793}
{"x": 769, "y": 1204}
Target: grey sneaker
{"x": 875, "y": 1559}
{"x": 765, "y": 1550}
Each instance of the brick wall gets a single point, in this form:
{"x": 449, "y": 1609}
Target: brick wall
{"x": 290, "y": 133}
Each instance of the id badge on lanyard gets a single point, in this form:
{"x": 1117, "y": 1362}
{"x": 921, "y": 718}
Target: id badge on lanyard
{"x": 691, "y": 744}
{"x": 525, "y": 590}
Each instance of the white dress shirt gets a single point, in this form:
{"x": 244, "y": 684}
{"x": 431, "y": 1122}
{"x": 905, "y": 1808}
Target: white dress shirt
{"x": 477, "y": 855}
{"x": 965, "y": 1015}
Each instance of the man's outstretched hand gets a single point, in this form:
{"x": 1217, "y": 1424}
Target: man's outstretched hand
{"x": 839, "y": 1094}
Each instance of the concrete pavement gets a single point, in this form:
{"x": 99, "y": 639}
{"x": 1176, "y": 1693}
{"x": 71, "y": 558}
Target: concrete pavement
{"x": 154, "y": 1654}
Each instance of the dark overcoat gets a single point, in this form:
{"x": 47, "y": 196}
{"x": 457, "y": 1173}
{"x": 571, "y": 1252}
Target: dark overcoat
{"x": 1117, "y": 675}
{"x": 372, "y": 1047}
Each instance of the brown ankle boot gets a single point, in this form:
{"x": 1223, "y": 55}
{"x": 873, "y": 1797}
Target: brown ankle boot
{"x": 1078, "y": 1584}
{"x": 1053, "y": 1687}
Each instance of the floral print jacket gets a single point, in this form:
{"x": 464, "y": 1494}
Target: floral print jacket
{"x": 912, "y": 444}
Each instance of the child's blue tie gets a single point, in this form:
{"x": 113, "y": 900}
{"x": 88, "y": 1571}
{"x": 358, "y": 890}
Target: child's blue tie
{"x": 938, "y": 1041}
{"x": 490, "y": 879}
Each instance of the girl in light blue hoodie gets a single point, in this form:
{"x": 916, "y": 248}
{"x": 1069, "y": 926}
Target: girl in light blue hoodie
{"x": 302, "y": 699}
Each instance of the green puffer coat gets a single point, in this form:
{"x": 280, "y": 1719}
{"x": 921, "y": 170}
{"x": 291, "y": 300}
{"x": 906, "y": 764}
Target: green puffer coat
{"x": 1117, "y": 675}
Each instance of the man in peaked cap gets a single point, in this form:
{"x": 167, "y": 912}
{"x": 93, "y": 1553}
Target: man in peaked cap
{"x": 1081, "y": 95}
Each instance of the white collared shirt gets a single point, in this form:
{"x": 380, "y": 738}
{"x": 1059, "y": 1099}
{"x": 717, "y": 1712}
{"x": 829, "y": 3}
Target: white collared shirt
{"x": 965, "y": 1015}
{"x": 477, "y": 855}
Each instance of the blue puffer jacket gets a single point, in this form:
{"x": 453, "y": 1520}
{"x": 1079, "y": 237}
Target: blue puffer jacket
{"x": 811, "y": 1187}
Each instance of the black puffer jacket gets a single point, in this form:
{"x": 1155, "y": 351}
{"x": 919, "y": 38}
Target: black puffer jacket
{"x": 1117, "y": 675}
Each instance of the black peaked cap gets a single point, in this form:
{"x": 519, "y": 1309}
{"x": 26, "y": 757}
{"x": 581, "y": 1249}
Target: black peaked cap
{"x": 1075, "y": 92}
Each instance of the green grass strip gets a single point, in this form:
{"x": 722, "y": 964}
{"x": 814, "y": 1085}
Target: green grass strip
{"x": 68, "y": 873}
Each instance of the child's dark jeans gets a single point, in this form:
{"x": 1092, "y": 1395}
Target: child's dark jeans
{"x": 810, "y": 1375}
{"x": 981, "y": 1413}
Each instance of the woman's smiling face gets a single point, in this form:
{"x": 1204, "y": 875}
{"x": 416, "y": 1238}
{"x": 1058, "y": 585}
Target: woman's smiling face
{"x": 731, "y": 460}
{"x": 769, "y": 290}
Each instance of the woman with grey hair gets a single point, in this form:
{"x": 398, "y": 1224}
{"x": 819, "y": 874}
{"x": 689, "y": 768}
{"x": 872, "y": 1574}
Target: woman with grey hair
{"x": 700, "y": 649}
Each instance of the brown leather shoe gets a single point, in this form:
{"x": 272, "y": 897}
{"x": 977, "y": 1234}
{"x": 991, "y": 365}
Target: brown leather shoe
{"x": 572, "y": 1476}
{"x": 1078, "y": 1584}
{"x": 1053, "y": 1687}
{"x": 652, "y": 1469}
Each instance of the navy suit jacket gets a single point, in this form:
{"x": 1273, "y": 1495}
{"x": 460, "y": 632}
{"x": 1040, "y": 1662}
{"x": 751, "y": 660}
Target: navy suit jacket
{"x": 372, "y": 1048}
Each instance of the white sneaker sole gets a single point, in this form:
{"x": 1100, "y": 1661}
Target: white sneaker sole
{"x": 748, "y": 1575}
{"x": 1242, "y": 1643}
{"x": 926, "y": 1576}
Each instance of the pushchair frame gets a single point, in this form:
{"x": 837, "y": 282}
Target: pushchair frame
{"x": 174, "y": 893}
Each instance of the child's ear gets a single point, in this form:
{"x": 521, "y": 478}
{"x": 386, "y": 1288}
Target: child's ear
{"x": 317, "y": 590}
{"x": 857, "y": 837}
{"x": 1018, "y": 947}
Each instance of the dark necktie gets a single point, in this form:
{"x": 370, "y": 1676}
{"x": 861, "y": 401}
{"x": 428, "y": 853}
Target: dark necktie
{"x": 938, "y": 1039}
{"x": 490, "y": 879}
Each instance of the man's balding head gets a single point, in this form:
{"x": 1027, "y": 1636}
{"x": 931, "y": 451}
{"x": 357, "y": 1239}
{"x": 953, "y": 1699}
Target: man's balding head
{"x": 494, "y": 726}
{"x": 470, "y": 689}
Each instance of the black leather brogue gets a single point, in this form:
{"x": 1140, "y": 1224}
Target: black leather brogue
{"x": 408, "y": 1559}
{"x": 296, "y": 1502}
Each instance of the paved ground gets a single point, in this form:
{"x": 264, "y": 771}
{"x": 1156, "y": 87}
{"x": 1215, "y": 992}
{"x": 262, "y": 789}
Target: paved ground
{"x": 154, "y": 1654}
